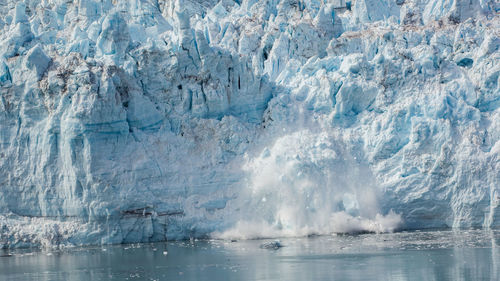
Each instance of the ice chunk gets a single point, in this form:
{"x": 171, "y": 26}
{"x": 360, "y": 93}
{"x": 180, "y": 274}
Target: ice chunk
{"x": 4, "y": 73}
{"x": 114, "y": 37}
{"x": 17, "y": 37}
{"x": 273, "y": 245}
{"x": 37, "y": 61}
{"x": 20, "y": 13}
{"x": 374, "y": 10}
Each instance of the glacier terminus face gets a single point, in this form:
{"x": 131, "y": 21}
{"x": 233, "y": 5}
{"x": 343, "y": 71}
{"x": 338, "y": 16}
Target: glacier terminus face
{"x": 146, "y": 120}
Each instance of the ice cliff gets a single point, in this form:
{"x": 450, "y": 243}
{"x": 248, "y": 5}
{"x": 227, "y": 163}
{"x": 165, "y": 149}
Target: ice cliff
{"x": 146, "y": 120}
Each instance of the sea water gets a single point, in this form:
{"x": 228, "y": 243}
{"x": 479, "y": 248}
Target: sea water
{"x": 434, "y": 255}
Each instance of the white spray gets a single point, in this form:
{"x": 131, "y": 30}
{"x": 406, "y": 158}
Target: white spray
{"x": 306, "y": 183}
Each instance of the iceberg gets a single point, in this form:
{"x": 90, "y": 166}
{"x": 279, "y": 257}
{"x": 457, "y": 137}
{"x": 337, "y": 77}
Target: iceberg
{"x": 140, "y": 121}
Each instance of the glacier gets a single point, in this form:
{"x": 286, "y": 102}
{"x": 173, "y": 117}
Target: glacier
{"x": 145, "y": 120}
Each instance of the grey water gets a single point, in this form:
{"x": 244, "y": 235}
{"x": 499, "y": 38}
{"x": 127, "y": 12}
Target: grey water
{"x": 435, "y": 255}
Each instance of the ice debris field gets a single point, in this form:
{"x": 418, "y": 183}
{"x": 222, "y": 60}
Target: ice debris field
{"x": 146, "y": 120}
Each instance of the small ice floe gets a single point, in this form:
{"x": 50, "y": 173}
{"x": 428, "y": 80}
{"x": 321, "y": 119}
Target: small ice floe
{"x": 273, "y": 245}
{"x": 165, "y": 253}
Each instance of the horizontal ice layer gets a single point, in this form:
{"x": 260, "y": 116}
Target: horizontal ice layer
{"x": 130, "y": 121}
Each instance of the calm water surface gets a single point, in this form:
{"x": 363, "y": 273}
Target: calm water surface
{"x": 438, "y": 255}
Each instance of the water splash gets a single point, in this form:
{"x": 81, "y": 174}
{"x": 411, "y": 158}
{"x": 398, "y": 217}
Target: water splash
{"x": 307, "y": 183}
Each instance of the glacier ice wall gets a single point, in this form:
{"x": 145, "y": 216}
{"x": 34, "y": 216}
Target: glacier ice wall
{"x": 144, "y": 120}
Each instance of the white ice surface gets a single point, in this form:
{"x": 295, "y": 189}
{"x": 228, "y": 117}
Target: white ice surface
{"x": 143, "y": 120}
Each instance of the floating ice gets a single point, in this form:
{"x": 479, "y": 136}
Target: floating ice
{"x": 274, "y": 245}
